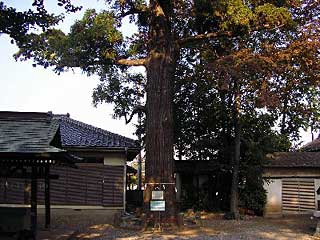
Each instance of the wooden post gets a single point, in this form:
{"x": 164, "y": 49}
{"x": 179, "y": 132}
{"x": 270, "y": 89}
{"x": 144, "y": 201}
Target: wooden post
{"x": 210, "y": 192}
{"x": 198, "y": 192}
{"x": 33, "y": 213}
{"x": 47, "y": 195}
{"x": 5, "y": 183}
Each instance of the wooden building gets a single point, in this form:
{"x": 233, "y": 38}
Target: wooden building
{"x": 98, "y": 182}
{"x": 292, "y": 180}
{"x": 29, "y": 147}
{"x": 292, "y": 183}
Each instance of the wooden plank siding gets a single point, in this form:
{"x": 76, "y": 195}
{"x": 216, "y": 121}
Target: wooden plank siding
{"x": 12, "y": 191}
{"x": 91, "y": 184}
{"x": 2, "y": 190}
{"x": 298, "y": 195}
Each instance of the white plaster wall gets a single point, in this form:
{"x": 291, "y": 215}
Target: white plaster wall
{"x": 114, "y": 159}
{"x": 273, "y": 206}
{"x": 317, "y": 197}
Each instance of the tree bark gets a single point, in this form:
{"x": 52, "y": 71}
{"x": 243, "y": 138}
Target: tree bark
{"x": 139, "y": 156}
{"x": 159, "y": 129}
{"x": 234, "y": 198}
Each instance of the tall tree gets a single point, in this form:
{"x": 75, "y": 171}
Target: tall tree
{"x": 165, "y": 29}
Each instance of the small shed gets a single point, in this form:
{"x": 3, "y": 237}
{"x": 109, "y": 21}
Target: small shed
{"x": 291, "y": 181}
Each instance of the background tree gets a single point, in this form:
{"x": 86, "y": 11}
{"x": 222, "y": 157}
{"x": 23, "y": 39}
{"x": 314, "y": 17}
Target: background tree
{"x": 257, "y": 72}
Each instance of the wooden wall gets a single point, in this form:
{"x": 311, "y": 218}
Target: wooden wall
{"x": 92, "y": 184}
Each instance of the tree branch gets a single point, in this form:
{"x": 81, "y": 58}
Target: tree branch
{"x": 201, "y": 37}
{"x": 137, "y": 109}
{"x": 131, "y": 62}
{"x": 188, "y": 40}
{"x": 131, "y": 12}
{"x": 133, "y": 9}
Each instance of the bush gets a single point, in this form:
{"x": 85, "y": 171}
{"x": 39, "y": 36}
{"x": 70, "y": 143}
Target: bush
{"x": 252, "y": 194}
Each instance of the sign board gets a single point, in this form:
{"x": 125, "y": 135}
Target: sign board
{"x": 157, "y": 195}
{"x": 157, "y": 205}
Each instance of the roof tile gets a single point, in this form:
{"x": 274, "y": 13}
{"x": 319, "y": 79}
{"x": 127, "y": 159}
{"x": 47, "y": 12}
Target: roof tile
{"x": 312, "y": 146}
{"x": 78, "y": 134}
{"x": 27, "y": 132}
{"x": 293, "y": 159}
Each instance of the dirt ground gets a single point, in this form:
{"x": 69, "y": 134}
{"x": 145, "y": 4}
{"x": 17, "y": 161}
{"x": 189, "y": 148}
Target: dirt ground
{"x": 211, "y": 226}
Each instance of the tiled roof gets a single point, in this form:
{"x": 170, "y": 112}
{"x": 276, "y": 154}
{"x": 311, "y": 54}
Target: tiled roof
{"x": 293, "y": 159}
{"x": 33, "y": 135}
{"x": 24, "y": 132}
{"x": 78, "y": 134}
{"x": 313, "y": 146}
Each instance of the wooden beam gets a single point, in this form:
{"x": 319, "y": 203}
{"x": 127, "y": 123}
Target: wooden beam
{"x": 33, "y": 212}
{"x": 47, "y": 195}
{"x": 28, "y": 176}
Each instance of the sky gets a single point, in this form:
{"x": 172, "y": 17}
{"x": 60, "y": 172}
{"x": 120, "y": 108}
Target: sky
{"x": 34, "y": 89}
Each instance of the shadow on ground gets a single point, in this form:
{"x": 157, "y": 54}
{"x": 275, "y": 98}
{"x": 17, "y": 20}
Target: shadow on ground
{"x": 209, "y": 227}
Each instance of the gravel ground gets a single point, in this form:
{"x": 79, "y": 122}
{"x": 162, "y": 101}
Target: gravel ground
{"x": 210, "y": 227}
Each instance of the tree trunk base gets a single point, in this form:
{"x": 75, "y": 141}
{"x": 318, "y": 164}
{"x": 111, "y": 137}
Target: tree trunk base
{"x": 161, "y": 224}
{"x": 232, "y": 216}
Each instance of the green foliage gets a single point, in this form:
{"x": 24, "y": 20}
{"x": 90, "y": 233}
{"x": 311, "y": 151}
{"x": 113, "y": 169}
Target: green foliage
{"x": 253, "y": 196}
{"x": 258, "y": 139}
{"x": 125, "y": 92}
{"x": 18, "y": 24}
{"x": 93, "y": 44}
{"x": 237, "y": 15}
{"x": 273, "y": 16}
{"x": 204, "y": 97}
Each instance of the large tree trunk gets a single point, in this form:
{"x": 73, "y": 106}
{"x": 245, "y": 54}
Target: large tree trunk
{"x": 234, "y": 198}
{"x": 139, "y": 156}
{"x": 159, "y": 128}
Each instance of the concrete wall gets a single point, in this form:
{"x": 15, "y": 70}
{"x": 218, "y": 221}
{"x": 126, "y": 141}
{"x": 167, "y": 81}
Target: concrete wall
{"x": 273, "y": 207}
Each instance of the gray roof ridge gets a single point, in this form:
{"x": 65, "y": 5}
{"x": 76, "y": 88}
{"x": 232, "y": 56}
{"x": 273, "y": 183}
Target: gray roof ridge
{"x": 67, "y": 118}
{"x": 311, "y": 146}
{"x": 25, "y": 116}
